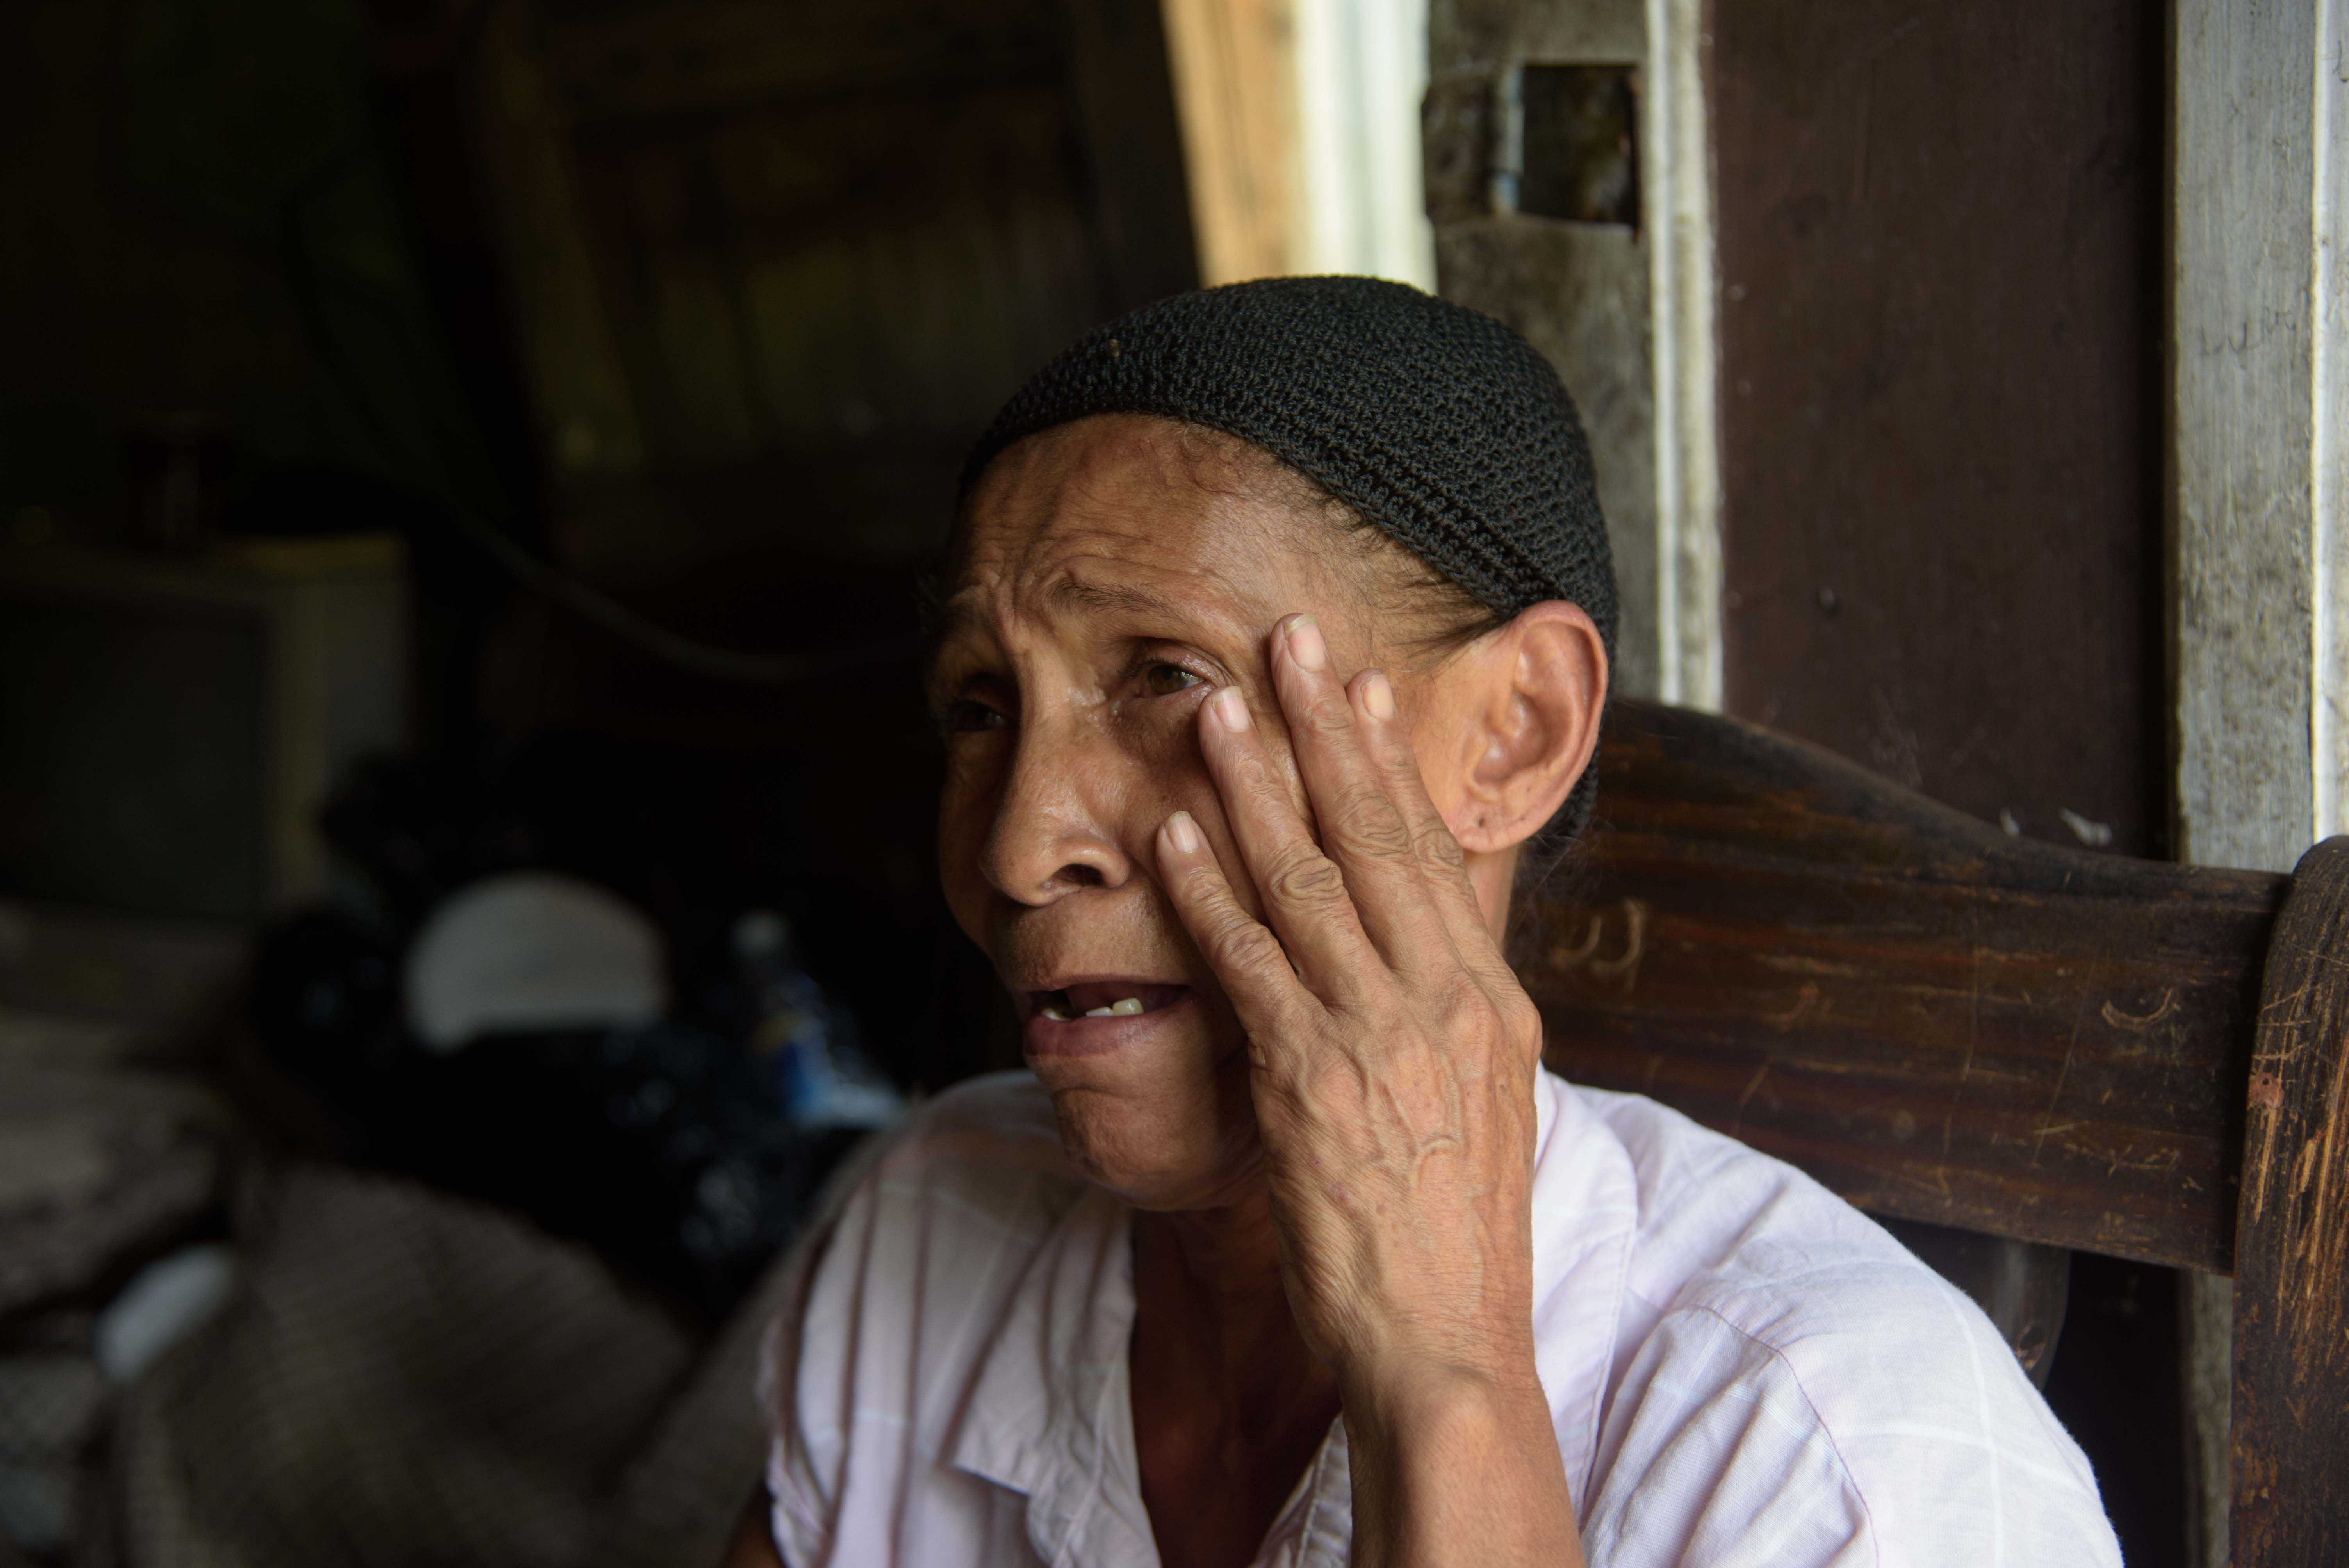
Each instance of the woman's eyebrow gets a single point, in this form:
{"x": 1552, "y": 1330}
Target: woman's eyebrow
{"x": 1071, "y": 595}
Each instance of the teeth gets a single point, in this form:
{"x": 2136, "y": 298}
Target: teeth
{"x": 1123, "y": 1008}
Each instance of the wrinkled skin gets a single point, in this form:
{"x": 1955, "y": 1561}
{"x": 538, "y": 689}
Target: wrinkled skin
{"x": 1201, "y": 766}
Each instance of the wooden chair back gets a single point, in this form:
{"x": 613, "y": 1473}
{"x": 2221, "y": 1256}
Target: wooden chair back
{"x": 1947, "y": 1024}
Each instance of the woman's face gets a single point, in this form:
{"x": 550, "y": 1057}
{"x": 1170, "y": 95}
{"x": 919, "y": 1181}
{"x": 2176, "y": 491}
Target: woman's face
{"x": 1111, "y": 573}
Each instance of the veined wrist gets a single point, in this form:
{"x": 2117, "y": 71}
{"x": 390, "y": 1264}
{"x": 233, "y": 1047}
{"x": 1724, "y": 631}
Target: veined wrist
{"x": 1424, "y": 1394}
{"x": 1457, "y": 1465}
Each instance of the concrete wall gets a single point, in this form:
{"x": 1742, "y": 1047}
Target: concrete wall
{"x": 1579, "y": 292}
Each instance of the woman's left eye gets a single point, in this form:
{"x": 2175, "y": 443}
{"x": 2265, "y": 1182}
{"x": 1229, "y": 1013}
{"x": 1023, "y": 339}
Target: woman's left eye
{"x": 1165, "y": 680}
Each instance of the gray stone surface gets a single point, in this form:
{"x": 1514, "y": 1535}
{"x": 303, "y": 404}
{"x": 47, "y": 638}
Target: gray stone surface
{"x": 1579, "y": 292}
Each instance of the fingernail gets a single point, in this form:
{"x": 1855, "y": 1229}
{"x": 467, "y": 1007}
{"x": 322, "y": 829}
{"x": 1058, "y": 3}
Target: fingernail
{"x": 1378, "y": 696}
{"x": 1184, "y": 833}
{"x": 1305, "y": 644}
{"x": 1231, "y": 710}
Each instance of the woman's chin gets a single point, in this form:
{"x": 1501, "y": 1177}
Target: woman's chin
{"x": 1150, "y": 1157}
{"x": 1165, "y": 1122}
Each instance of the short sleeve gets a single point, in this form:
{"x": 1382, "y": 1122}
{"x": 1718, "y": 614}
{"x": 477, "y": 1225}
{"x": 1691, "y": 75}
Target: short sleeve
{"x": 1900, "y": 1433}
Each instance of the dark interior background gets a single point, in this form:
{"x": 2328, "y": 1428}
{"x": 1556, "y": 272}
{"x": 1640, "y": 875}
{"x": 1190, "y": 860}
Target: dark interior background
{"x": 648, "y": 337}
{"x": 700, "y": 304}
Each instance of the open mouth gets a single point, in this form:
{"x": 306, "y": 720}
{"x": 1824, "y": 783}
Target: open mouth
{"x": 1103, "y": 999}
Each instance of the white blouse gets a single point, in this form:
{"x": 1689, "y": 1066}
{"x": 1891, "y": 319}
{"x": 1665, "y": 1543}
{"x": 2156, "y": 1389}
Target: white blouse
{"x": 1740, "y": 1368}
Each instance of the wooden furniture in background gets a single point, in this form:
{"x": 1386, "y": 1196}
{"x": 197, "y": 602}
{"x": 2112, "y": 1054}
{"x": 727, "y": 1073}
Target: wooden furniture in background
{"x": 1947, "y": 1024}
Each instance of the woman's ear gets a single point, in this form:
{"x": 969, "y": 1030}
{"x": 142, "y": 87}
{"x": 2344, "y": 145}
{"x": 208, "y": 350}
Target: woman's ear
{"x": 1531, "y": 702}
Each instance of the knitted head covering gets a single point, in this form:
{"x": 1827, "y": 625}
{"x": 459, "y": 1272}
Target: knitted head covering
{"x": 1436, "y": 424}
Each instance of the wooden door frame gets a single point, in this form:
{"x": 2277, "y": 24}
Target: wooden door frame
{"x": 2259, "y": 512}
{"x": 1676, "y": 172}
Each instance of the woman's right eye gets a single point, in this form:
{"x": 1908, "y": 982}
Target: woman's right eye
{"x": 965, "y": 714}
{"x": 1168, "y": 680}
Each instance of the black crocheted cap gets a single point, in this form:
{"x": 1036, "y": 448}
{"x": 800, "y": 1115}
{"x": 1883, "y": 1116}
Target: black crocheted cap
{"x": 1438, "y": 425}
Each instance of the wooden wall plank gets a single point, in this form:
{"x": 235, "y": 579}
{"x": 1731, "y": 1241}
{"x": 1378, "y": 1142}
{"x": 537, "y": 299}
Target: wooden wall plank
{"x": 2252, "y": 336}
{"x": 1940, "y": 266}
{"x": 1235, "y": 79}
{"x": 1677, "y": 169}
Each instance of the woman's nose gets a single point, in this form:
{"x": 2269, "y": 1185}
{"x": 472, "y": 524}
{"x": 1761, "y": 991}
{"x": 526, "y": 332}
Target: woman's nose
{"x": 1053, "y": 830}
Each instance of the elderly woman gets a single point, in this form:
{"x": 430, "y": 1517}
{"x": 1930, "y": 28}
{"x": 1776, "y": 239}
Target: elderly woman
{"x": 1271, "y": 659}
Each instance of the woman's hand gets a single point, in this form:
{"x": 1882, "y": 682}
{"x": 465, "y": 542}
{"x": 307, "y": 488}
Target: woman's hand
{"x": 1394, "y": 1057}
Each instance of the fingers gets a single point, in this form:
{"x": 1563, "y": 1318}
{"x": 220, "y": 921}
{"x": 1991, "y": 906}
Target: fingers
{"x": 1303, "y": 892}
{"x": 1365, "y": 827}
{"x": 1247, "y": 957}
{"x": 1435, "y": 854}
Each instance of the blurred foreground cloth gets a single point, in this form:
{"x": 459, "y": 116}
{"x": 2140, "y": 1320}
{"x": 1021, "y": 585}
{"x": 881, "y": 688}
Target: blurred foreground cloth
{"x": 407, "y": 1379}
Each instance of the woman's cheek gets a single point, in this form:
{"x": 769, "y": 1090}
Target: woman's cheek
{"x": 1163, "y": 735}
{"x": 968, "y": 799}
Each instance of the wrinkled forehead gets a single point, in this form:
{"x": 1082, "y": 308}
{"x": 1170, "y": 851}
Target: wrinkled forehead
{"x": 1133, "y": 506}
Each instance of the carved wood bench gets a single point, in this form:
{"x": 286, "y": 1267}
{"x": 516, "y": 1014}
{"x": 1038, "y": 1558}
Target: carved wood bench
{"x": 1952, "y": 1026}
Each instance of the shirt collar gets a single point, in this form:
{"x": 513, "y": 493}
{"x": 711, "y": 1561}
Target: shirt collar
{"x": 1048, "y": 1413}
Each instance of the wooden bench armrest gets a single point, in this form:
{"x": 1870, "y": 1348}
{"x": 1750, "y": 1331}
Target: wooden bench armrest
{"x": 1940, "y": 1021}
